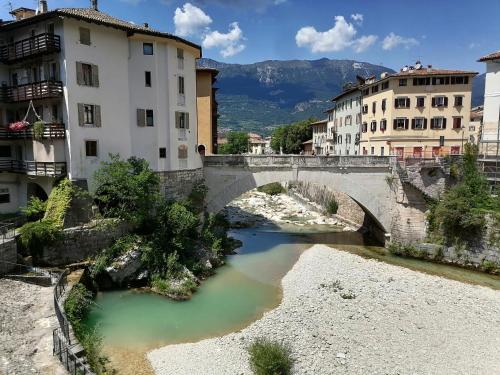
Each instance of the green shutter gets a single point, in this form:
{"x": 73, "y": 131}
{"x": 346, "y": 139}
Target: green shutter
{"x": 186, "y": 119}
{"x": 141, "y": 117}
{"x": 95, "y": 76}
{"x": 79, "y": 73}
{"x": 177, "y": 119}
{"x": 80, "y": 114}
{"x": 97, "y": 116}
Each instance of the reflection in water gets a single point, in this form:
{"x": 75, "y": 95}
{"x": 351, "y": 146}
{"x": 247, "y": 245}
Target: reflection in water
{"x": 240, "y": 293}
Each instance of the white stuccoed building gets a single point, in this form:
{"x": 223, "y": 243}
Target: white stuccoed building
{"x": 101, "y": 86}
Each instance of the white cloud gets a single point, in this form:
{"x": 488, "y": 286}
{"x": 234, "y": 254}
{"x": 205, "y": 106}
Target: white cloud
{"x": 358, "y": 18}
{"x": 230, "y": 42}
{"x": 392, "y": 41}
{"x": 339, "y": 37}
{"x": 190, "y": 20}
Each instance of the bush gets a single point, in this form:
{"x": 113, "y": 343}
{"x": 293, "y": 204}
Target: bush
{"x": 35, "y": 209}
{"x": 77, "y": 305}
{"x": 332, "y": 207}
{"x": 34, "y": 236}
{"x": 59, "y": 201}
{"x": 273, "y": 188}
{"x": 270, "y": 358}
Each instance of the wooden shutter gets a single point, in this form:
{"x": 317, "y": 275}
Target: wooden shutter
{"x": 95, "y": 76}
{"x": 407, "y": 102}
{"x": 407, "y": 122}
{"x": 446, "y": 101}
{"x": 186, "y": 120}
{"x": 444, "y": 123}
{"x": 97, "y": 116}
{"x": 432, "y": 123}
{"x": 177, "y": 119}
{"x": 433, "y": 102}
{"x": 425, "y": 123}
{"x": 413, "y": 123}
{"x": 141, "y": 117}
{"x": 79, "y": 74}
{"x": 395, "y": 124}
{"x": 80, "y": 114}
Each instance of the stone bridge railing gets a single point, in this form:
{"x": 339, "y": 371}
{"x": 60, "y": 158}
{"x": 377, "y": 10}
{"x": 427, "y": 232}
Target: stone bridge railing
{"x": 298, "y": 161}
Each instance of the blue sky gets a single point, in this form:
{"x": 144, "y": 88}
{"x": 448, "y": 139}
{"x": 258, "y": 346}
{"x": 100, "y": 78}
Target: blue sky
{"x": 446, "y": 34}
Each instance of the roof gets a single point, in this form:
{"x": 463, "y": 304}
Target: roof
{"x": 491, "y": 56}
{"x": 93, "y": 16}
{"x": 345, "y": 92}
{"x": 307, "y": 142}
{"x": 321, "y": 122}
{"x": 423, "y": 72}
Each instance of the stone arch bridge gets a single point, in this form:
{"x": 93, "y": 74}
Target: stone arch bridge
{"x": 380, "y": 186}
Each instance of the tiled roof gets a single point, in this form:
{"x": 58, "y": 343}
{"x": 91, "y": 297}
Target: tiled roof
{"x": 100, "y": 18}
{"x": 346, "y": 92}
{"x": 491, "y": 56}
{"x": 321, "y": 122}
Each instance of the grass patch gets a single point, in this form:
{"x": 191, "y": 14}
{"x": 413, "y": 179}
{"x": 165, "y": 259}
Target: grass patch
{"x": 332, "y": 207}
{"x": 273, "y": 188}
{"x": 270, "y": 358}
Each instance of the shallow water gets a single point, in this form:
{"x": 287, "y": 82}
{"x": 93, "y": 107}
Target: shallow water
{"x": 242, "y": 290}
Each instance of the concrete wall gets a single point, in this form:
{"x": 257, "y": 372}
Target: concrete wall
{"x": 491, "y": 107}
{"x": 205, "y": 108}
{"x": 177, "y": 185}
{"x": 8, "y": 253}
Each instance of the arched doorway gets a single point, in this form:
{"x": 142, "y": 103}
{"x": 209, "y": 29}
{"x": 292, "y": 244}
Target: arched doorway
{"x": 35, "y": 190}
{"x": 201, "y": 150}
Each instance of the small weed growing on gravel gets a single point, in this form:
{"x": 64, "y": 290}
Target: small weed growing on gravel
{"x": 348, "y": 295}
{"x": 335, "y": 286}
{"x": 270, "y": 358}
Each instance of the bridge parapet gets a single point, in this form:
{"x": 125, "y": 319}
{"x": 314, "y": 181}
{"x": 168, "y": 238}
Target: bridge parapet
{"x": 298, "y": 161}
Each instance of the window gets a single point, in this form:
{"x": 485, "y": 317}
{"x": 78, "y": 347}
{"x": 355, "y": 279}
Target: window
{"x": 147, "y": 79}
{"x": 403, "y": 82}
{"x": 438, "y": 123}
{"x": 150, "y": 117}
{"x": 366, "y": 92}
{"x": 419, "y": 123}
{"x": 384, "y": 105}
{"x": 55, "y": 113}
{"x": 163, "y": 152}
{"x": 364, "y": 127}
{"x": 440, "y": 101}
{"x": 382, "y": 151}
{"x": 339, "y": 139}
{"x": 455, "y": 150}
{"x": 374, "y": 89}
{"x": 457, "y": 122}
{"x": 347, "y": 138}
{"x": 460, "y": 80}
{"x": 402, "y": 102}
{"x": 348, "y": 120}
{"x": 422, "y": 81}
{"x": 5, "y": 151}
{"x": 373, "y": 126}
{"x": 459, "y": 101}
{"x": 4, "y": 195}
{"x": 147, "y": 48}
{"x": 84, "y": 36}
{"x": 180, "y": 58}
{"x": 373, "y": 150}
{"x": 50, "y": 29}
{"x": 383, "y": 125}
{"x": 91, "y": 148}
{"x": 437, "y": 81}
{"x": 181, "y": 85}
{"x": 365, "y": 109}
{"x": 340, "y": 121}
{"x": 385, "y": 85}
{"x": 400, "y": 123}
{"x": 420, "y": 101}
{"x": 182, "y": 120}
{"x": 89, "y": 115}
{"x": 374, "y": 107}
{"x": 87, "y": 74}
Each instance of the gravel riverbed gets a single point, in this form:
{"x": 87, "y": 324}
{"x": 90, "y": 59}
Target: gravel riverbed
{"x": 343, "y": 314}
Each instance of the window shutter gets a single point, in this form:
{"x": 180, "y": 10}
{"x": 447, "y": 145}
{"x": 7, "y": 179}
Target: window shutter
{"x": 97, "y": 116}
{"x": 433, "y": 102}
{"x": 95, "y": 76}
{"x": 395, "y": 126}
{"x": 446, "y": 101}
{"x": 425, "y": 123}
{"x": 79, "y": 73}
{"x": 80, "y": 114}
{"x": 413, "y": 123}
{"x": 407, "y": 102}
{"x": 444, "y": 123}
{"x": 406, "y": 123}
{"x": 186, "y": 118}
{"x": 177, "y": 119}
{"x": 141, "y": 117}
{"x": 432, "y": 123}
{"x": 396, "y": 103}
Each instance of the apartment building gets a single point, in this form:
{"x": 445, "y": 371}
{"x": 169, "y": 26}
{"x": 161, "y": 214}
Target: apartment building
{"x": 417, "y": 112}
{"x": 344, "y": 122}
{"x": 320, "y": 145}
{"x": 94, "y": 85}
{"x": 207, "y": 110}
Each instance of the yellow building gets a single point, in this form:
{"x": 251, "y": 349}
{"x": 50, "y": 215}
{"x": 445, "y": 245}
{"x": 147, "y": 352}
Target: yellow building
{"x": 417, "y": 112}
{"x": 207, "y": 110}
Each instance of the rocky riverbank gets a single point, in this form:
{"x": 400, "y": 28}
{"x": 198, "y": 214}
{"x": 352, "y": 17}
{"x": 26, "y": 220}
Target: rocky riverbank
{"x": 345, "y": 314}
{"x": 26, "y": 323}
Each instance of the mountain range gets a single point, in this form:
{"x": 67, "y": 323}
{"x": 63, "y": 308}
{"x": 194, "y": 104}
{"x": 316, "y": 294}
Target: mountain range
{"x": 261, "y": 96}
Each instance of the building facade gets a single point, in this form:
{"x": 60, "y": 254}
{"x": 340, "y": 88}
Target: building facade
{"x": 77, "y": 85}
{"x": 320, "y": 145}
{"x": 344, "y": 122}
{"x": 207, "y": 110}
{"x": 417, "y": 112}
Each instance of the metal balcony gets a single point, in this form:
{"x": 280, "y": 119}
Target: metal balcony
{"x": 50, "y": 131}
{"x": 34, "y": 168}
{"x": 30, "y": 47}
{"x": 31, "y": 91}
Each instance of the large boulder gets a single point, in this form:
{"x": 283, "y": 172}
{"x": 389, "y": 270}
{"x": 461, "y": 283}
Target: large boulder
{"x": 125, "y": 268}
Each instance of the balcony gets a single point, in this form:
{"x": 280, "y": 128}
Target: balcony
{"x": 34, "y": 168}
{"x": 31, "y": 47}
{"x": 50, "y": 131}
{"x": 32, "y": 91}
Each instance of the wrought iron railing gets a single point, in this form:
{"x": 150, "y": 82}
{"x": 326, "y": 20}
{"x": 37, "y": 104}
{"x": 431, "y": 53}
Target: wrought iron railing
{"x": 30, "y": 47}
{"x": 50, "y": 131}
{"x": 34, "y": 168}
{"x": 32, "y": 91}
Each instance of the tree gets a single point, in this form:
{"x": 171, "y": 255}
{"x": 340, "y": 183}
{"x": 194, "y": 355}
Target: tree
{"x": 289, "y": 138}
{"x": 237, "y": 143}
{"x": 127, "y": 189}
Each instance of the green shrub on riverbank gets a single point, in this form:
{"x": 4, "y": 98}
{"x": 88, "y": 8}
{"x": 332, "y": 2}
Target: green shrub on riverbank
{"x": 270, "y": 358}
{"x": 35, "y": 209}
{"x": 332, "y": 207}
{"x": 273, "y": 188}
{"x": 77, "y": 305}
{"x": 34, "y": 236}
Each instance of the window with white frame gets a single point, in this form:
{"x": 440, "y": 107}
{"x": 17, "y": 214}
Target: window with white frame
{"x": 418, "y": 123}
{"x": 438, "y": 123}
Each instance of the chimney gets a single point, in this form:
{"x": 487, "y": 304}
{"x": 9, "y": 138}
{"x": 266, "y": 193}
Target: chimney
{"x": 42, "y": 6}
{"x": 94, "y": 5}
{"x": 23, "y": 13}
{"x": 429, "y": 68}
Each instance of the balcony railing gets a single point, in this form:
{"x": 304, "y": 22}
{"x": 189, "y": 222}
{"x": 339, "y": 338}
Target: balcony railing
{"x": 33, "y": 168}
{"x": 50, "y": 131}
{"x": 30, "y": 47}
{"x": 32, "y": 91}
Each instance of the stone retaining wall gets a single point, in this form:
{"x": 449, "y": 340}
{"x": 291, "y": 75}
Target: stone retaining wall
{"x": 8, "y": 253}
{"x": 177, "y": 185}
{"x": 81, "y": 243}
